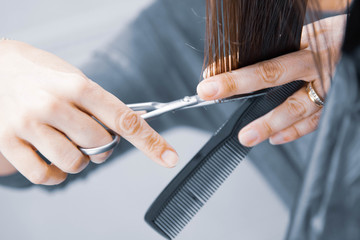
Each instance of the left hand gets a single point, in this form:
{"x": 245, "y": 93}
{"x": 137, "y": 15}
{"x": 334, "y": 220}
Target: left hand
{"x": 298, "y": 115}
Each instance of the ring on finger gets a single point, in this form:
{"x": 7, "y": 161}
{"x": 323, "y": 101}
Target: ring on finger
{"x": 314, "y": 97}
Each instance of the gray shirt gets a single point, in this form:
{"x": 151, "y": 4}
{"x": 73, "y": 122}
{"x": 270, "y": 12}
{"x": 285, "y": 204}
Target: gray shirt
{"x": 159, "y": 57}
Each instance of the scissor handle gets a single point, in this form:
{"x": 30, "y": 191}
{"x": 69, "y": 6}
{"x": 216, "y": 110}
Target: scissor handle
{"x": 104, "y": 148}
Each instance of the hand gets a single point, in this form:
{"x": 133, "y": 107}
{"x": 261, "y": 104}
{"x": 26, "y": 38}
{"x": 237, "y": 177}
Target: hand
{"x": 298, "y": 115}
{"x": 45, "y": 101}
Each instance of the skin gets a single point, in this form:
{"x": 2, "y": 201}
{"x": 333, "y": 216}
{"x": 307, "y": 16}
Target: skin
{"x": 44, "y": 100}
{"x": 329, "y": 5}
{"x": 298, "y": 115}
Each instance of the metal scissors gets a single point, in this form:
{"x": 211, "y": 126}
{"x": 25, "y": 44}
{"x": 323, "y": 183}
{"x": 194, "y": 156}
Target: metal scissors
{"x": 155, "y": 109}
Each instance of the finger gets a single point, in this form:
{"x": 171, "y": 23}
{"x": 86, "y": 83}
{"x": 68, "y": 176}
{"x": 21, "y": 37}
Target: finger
{"x": 56, "y": 148}
{"x": 22, "y": 156}
{"x": 82, "y": 129}
{"x": 270, "y": 73}
{"x": 324, "y": 33}
{"x": 294, "y": 109}
{"x": 297, "y": 130}
{"x": 127, "y": 123}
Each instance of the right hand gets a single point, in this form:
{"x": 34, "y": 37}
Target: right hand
{"x": 45, "y": 101}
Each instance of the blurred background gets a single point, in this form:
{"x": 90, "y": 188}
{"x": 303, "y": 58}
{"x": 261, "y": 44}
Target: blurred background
{"x": 111, "y": 202}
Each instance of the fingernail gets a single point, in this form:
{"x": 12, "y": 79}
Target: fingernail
{"x": 277, "y": 139}
{"x": 170, "y": 158}
{"x": 249, "y": 138}
{"x": 206, "y": 73}
{"x": 208, "y": 89}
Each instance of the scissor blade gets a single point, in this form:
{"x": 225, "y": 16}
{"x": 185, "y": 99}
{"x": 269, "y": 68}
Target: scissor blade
{"x": 172, "y": 106}
{"x": 155, "y": 109}
{"x": 146, "y": 106}
{"x": 203, "y": 103}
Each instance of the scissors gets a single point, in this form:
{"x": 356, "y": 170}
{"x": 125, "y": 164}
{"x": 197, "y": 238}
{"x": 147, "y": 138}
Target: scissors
{"x": 155, "y": 109}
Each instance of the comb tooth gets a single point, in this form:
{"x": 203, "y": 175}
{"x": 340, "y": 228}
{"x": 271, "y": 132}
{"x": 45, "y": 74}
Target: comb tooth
{"x": 160, "y": 225}
{"x": 211, "y": 172}
{"x": 203, "y": 192}
{"x": 197, "y": 188}
{"x": 221, "y": 166}
{"x": 172, "y": 224}
{"x": 234, "y": 152}
{"x": 186, "y": 207}
{"x": 224, "y": 162}
{"x": 209, "y": 179}
{"x": 206, "y": 183}
{"x": 225, "y": 170}
{"x": 181, "y": 217}
{"x": 229, "y": 162}
{"x": 164, "y": 228}
{"x": 235, "y": 146}
{"x": 187, "y": 203}
{"x": 193, "y": 187}
{"x": 193, "y": 196}
{"x": 165, "y": 218}
{"x": 234, "y": 159}
{"x": 168, "y": 225}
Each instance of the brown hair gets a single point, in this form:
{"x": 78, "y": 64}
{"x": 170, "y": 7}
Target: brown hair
{"x": 242, "y": 32}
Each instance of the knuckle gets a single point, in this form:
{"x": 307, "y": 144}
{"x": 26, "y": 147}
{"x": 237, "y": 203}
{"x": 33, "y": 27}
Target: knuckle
{"x": 296, "y": 132}
{"x": 154, "y": 144}
{"x": 229, "y": 82}
{"x": 5, "y": 135}
{"x": 25, "y": 122}
{"x": 314, "y": 121}
{"x": 270, "y": 71}
{"x": 82, "y": 85}
{"x": 50, "y": 106}
{"x": 295, "y": 107}
{"x": 74, "y": 163}
{"x": 268, "y": 128}
{"x": 129, "y": 122}
{"x": 39, "y": 176}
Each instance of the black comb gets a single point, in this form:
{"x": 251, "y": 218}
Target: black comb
{"x": 203, "y": 175}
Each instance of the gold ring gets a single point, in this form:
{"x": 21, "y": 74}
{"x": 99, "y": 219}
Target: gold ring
{"x": 313, "y": 95}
